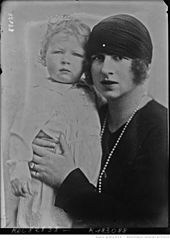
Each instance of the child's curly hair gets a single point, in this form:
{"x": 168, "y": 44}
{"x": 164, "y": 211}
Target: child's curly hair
{"x": 67, "y": 24}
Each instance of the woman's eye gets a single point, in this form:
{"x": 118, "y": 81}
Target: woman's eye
{"x": 117, "y": 58}
{"x": 126, "y": 58}
{"x": 99, "y": 58}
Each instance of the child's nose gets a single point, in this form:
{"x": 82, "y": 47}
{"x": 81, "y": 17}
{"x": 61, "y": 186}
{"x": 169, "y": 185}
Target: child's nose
{"x": 65, "y": 58}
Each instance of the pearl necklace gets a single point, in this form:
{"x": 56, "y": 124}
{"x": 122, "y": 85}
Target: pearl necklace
{"x": 114, "y": 147}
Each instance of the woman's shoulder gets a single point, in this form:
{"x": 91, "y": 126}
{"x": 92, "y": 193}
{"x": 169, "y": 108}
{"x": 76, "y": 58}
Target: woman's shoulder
{"x": 153, "y": 116}
{"x": 157, "y": 108}
{"x": 154, "y": 111}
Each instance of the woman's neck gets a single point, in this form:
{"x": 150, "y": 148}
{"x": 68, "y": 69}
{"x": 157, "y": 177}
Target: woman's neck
{"x": 122, "y": 108}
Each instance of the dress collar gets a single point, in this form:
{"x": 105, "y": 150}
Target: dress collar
{"x": 58, "y": 87}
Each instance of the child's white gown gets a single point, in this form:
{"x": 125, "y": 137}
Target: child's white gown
{"x": 54, "y": 108}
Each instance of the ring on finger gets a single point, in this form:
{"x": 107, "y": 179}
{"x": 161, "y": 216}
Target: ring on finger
{"x": 36, "y": 173}
{"x": 32, "y": 165}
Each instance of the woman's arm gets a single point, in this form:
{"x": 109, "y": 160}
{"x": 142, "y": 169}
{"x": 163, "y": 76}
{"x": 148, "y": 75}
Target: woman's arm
{"x": 81, "y": 200}
{"x": 144, "y": 195}
{"x": 75, "y": 194}
{"x": 145, "y": 190}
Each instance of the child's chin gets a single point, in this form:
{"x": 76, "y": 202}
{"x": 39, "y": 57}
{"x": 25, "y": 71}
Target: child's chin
{"x": 64, "y": 79}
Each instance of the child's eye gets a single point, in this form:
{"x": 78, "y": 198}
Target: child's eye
{"x": 77, "y": 54}
{"x": 57, "y": 52}
{"x": 98, "y": 57}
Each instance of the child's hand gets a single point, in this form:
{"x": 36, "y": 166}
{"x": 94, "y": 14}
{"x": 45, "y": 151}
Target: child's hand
{"x": 21, "y": 189}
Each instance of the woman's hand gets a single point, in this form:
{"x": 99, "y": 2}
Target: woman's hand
{"x": 49, "y": 167}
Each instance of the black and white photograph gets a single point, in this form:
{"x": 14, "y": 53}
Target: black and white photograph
{"x": 84, "y": 117}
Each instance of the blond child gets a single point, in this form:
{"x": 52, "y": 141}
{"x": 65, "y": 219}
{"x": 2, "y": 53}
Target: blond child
{"x": 59, "y": 104}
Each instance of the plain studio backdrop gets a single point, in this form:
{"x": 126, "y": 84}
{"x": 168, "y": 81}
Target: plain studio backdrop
{"x": 22, "y": 30}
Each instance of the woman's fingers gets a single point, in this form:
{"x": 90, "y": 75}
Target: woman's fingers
{"x": 42, "y": 156}
{"x": 44, "y": 143}
{"x": 42, "y": 134}
{"x": 36, "y": 175}
{"x": 37, "y": 160}
{"x": 40, "y": 151}
{"x": 37, "y": 167}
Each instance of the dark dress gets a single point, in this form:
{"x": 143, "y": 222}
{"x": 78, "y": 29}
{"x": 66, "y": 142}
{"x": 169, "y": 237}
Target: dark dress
{"x": 135, "y": 186}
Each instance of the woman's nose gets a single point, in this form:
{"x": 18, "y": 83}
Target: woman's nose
{"x": 108, "y": 67}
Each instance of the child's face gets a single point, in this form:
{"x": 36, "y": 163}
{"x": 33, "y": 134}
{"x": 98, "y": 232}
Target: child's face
{"x": 64, "y": 58}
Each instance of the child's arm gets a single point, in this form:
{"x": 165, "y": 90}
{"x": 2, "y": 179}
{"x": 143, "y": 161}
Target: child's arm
{"x": 19, "y": 155}
{"x": 25, "y": 128}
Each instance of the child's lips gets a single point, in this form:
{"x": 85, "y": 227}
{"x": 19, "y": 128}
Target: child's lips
{"x": 108, "y": 82}
{"x": 64, "y": 70}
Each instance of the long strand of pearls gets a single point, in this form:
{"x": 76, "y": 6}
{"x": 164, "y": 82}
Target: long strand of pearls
{"x": 114, "y": 147}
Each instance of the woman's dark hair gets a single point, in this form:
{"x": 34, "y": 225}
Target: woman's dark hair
{"x": 139, "y": 69}
{"x": 124, "y": 36}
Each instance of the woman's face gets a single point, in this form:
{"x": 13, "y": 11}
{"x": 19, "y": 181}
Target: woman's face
{"x": 112, "y": 76}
